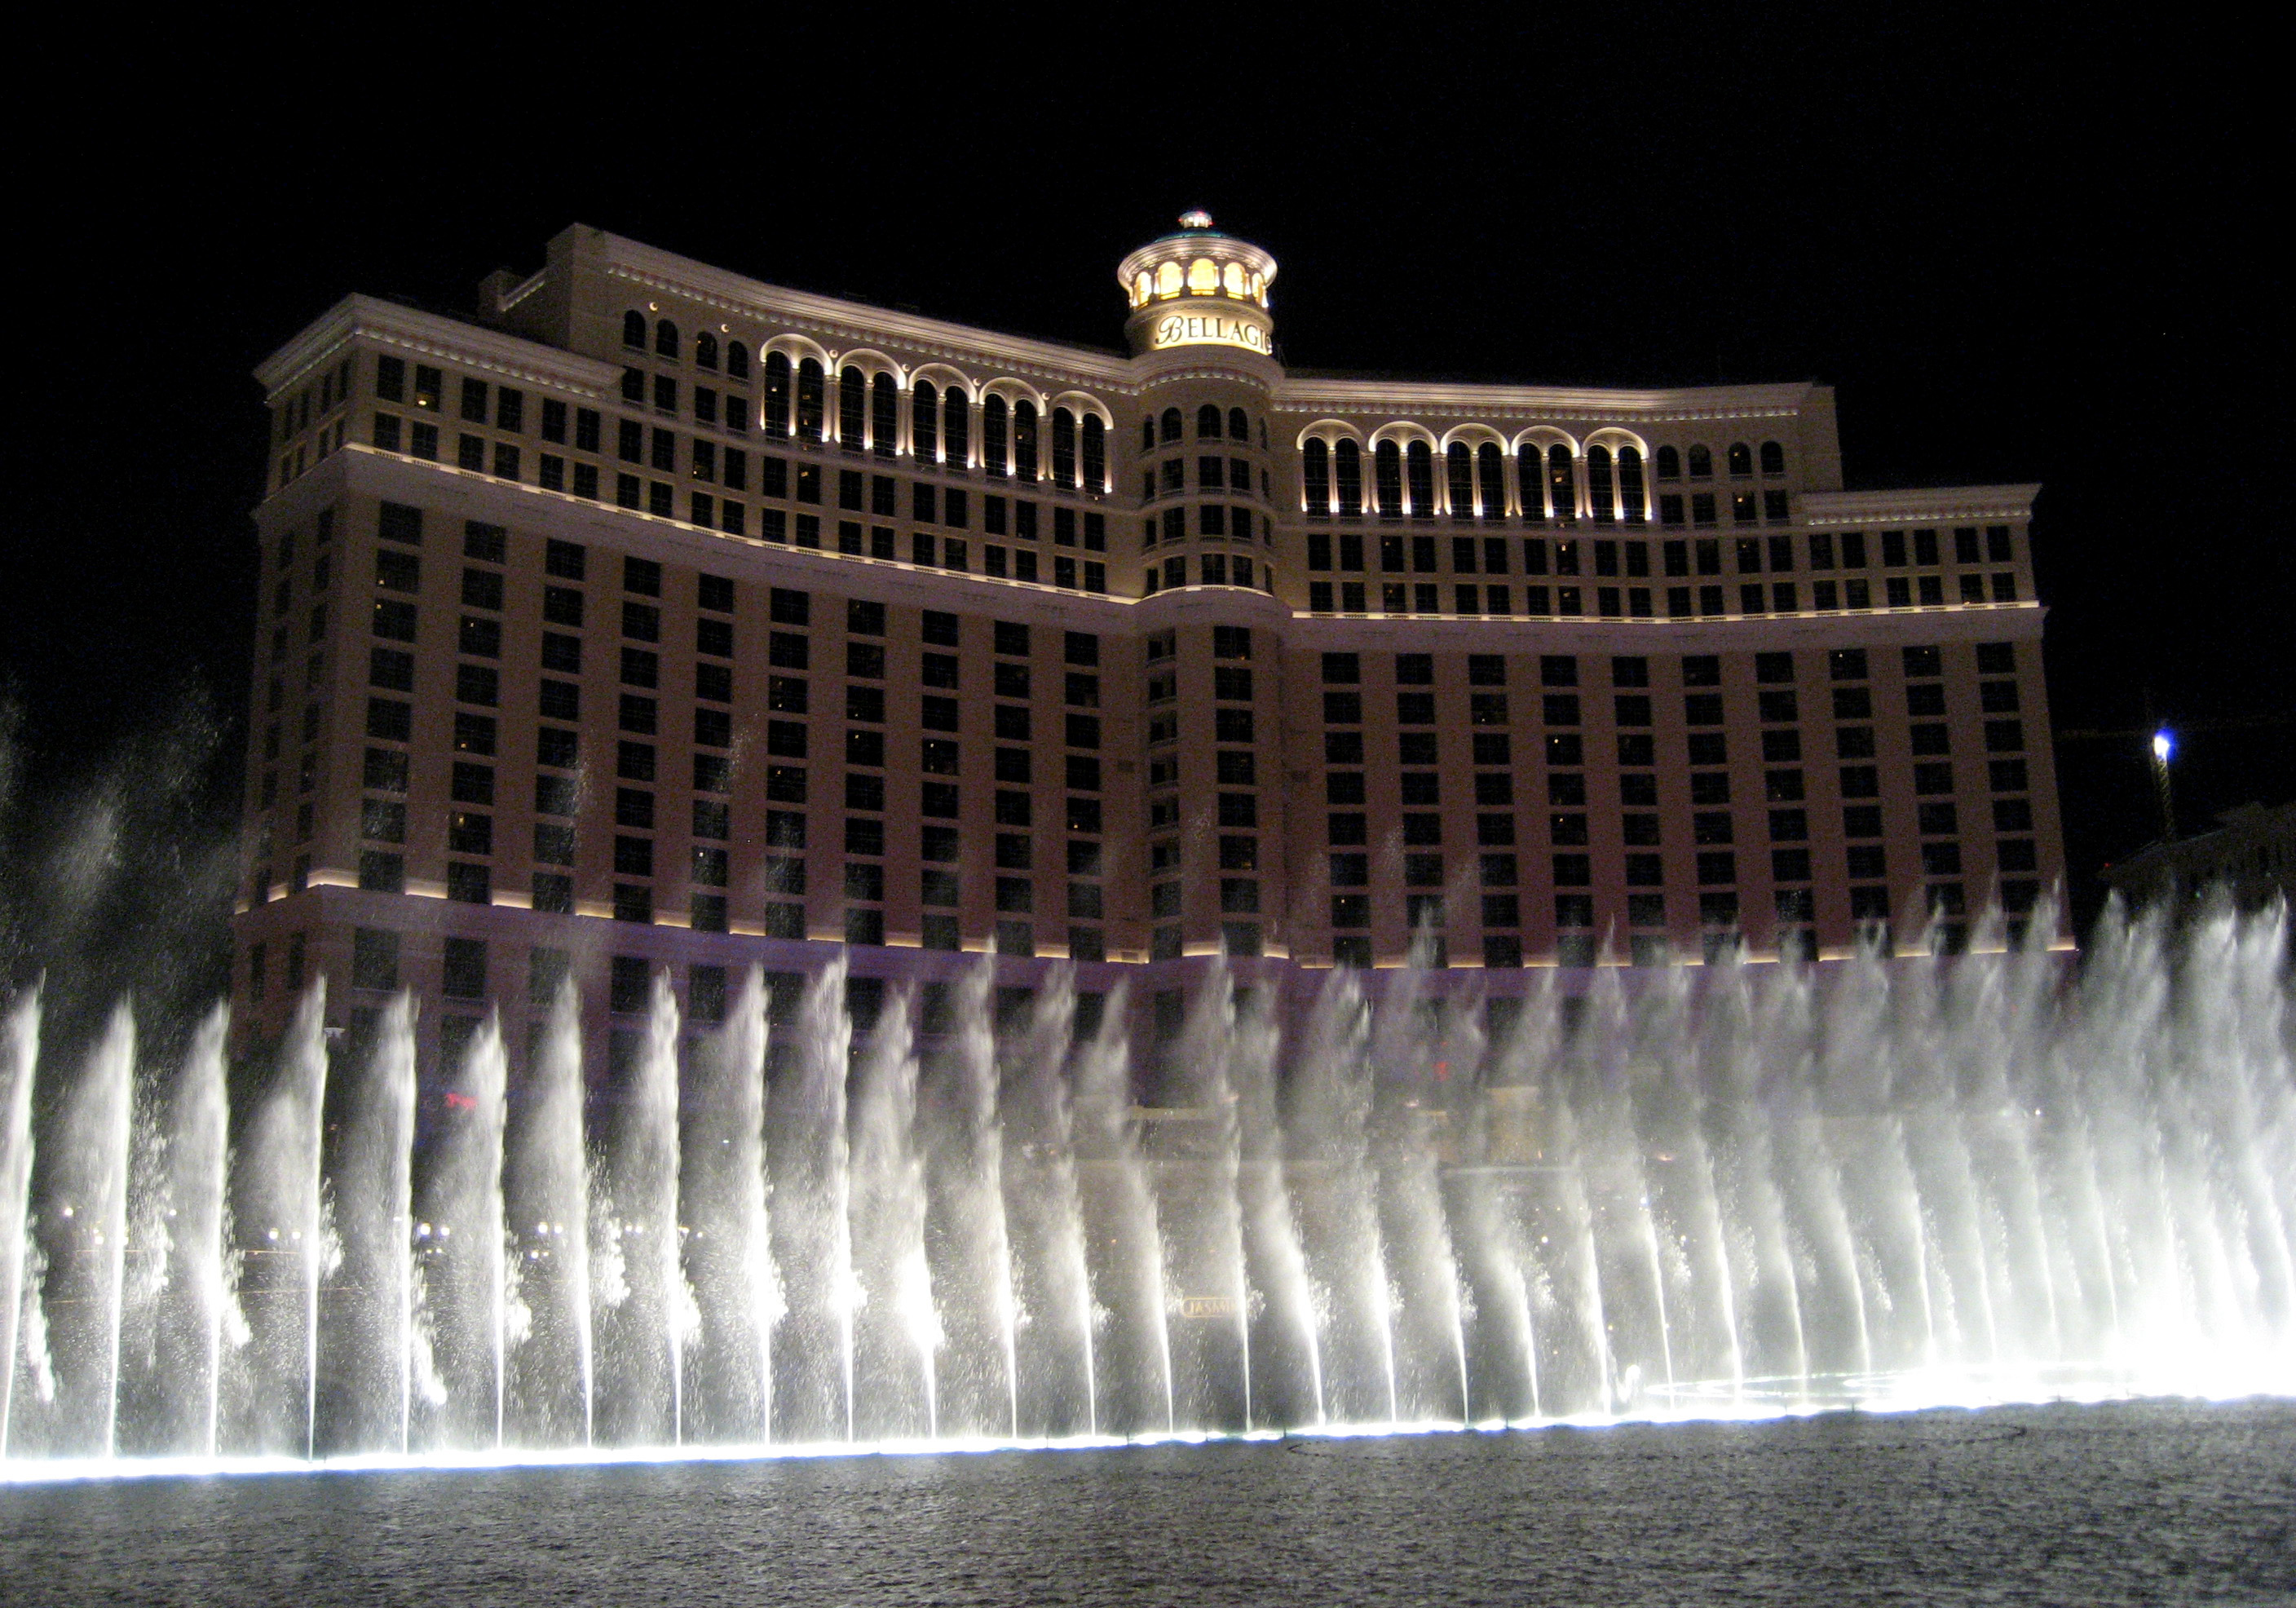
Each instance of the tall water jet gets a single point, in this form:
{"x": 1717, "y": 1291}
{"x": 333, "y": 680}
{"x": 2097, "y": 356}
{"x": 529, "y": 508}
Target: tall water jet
{"x": 967, "y": 1239}
{"x": 1044, "y": 1212}
{"x": 548, "y": 1197}
{"x": 1338, "y": 1204}
{"x": 897, "y": 1332}
{"x": 84, "y": 1224}
{"x": 1420, "y": 1267}
{"x": 645, "y": 1356}
{"x": 203, "y": 1316}
{"x": 20, "y": 1054}
{"x": 1494, "y": 1161}
{"x": 1198, "y": 1162}
{"x": 1738, "y": 1136}
{"x": 809, "y": 1154}
{"x": 1120, "y": 1212}
{"x": 1271, "y": 1233}
{"x": 1673, "y": 1115}
{"x": 282, "y": 1221}
{"x": 737, "y": 1287}
{"x": 373, "y": 1310}
{"x": 465, "y": 1270}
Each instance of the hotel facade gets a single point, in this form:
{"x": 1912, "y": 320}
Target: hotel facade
{"x": 658, "y": 619}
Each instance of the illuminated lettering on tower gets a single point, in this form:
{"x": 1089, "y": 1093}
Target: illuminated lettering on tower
{"x": 1212, "y": 329}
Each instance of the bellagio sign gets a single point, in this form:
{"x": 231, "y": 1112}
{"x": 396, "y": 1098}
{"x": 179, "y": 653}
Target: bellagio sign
{"x": 1192, "y": 329}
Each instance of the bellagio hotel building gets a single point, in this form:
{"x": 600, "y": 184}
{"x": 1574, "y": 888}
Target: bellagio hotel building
{"x": 656, "y": 618}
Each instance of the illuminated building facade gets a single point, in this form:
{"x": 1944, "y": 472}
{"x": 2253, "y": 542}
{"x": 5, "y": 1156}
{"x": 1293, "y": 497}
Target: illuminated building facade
{"x": 655, "y": 616}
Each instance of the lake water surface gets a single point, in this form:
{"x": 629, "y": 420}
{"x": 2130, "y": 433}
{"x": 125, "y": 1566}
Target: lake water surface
{"x": 2134, "y": 1502}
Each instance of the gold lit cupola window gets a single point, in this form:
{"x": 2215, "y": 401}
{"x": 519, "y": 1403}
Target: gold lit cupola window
{"x": 1195, "y": 265}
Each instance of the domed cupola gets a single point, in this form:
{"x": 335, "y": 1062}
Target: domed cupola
{"x": 1198, "y": 287}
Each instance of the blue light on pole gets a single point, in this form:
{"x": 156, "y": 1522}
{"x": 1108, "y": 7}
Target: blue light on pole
{"x": 2164, "y": 748}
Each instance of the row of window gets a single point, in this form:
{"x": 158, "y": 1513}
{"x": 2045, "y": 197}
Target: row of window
{"x": 1696, "y": 669}
{"x": 1211, "y": 425}
{"x": 869, "y": 409}
{"x": 1170, "y": 478}
{"x": 1213, "y": 570}
{"x": 1550, "y": 483}
{"x": 1823, "y": 551}
{"x": 707, "y": 352}
{"x": 1069, "y": 448}
{"x": 1642, "y": 603}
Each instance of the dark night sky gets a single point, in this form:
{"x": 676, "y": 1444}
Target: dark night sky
{"x": 2018, "y": 256}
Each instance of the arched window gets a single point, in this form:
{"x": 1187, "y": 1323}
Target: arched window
{"x": 955, "y": 429}
{"x": 1096, "y": 453}
{"x": 665, "y": 339}
{"x": 777, "y": 394}
{"x": 992, "y": 436}
{"x": 737, "y": 360}
{"x": 705, "y": 350}
{"x": 852, "y": 408}
{"x": 1168, "y": 279}
{"x": 1386, "y": 478}
{"x": 1530, "y": 478}
{"x": 1347, "y": 474}
{"x": 633, "y": 332}
{"x": 1024, "y": 441}
{"x": 812, "y": 401}
{"x": 1171, "y": 425}
{"x": 924, "y": 422}
{"x": 1490, "y": 466}
{"x": 1633, "y": 502}
{"x": 1701, "y": 463}
{"x": 1064, "y": 467}
{"x": 1316, "y": 477}
{"x": 1208, "y": 422}
{"x": 1147, "y": 432}
{"x": 1774, "y": 458}
{"x": 1561, "y": 495}
{"x": 1239, "y": 425}
{"x": 1602, "y": 496}
{"x": 1459, "y": 471}
{"x": 1670, "y": 464}
{"x": 884, "y": 415}
{"x": 1741, "y": 458}
{"x": 1420, "y": 460}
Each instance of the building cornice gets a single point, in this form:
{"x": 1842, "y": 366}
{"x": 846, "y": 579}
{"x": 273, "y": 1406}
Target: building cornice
{"x": 856, "y": 323}
{"x": 427, "y": 334}
{"x": 1934, "y": 503}
{"x": 1385, "y": 397}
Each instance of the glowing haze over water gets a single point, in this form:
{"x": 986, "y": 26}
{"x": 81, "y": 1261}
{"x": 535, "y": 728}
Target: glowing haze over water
{"x": 1717, "y": 1192}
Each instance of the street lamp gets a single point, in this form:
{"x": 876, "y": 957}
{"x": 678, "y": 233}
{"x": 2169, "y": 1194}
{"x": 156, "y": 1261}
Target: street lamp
{"x": 2164, "y": 747}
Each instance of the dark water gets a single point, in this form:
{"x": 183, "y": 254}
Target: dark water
{"x": 2130, "y": 1503}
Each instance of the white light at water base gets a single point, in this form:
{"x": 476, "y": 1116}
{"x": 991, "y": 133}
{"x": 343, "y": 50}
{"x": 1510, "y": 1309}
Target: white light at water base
{"x": 2164, "y": 745}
